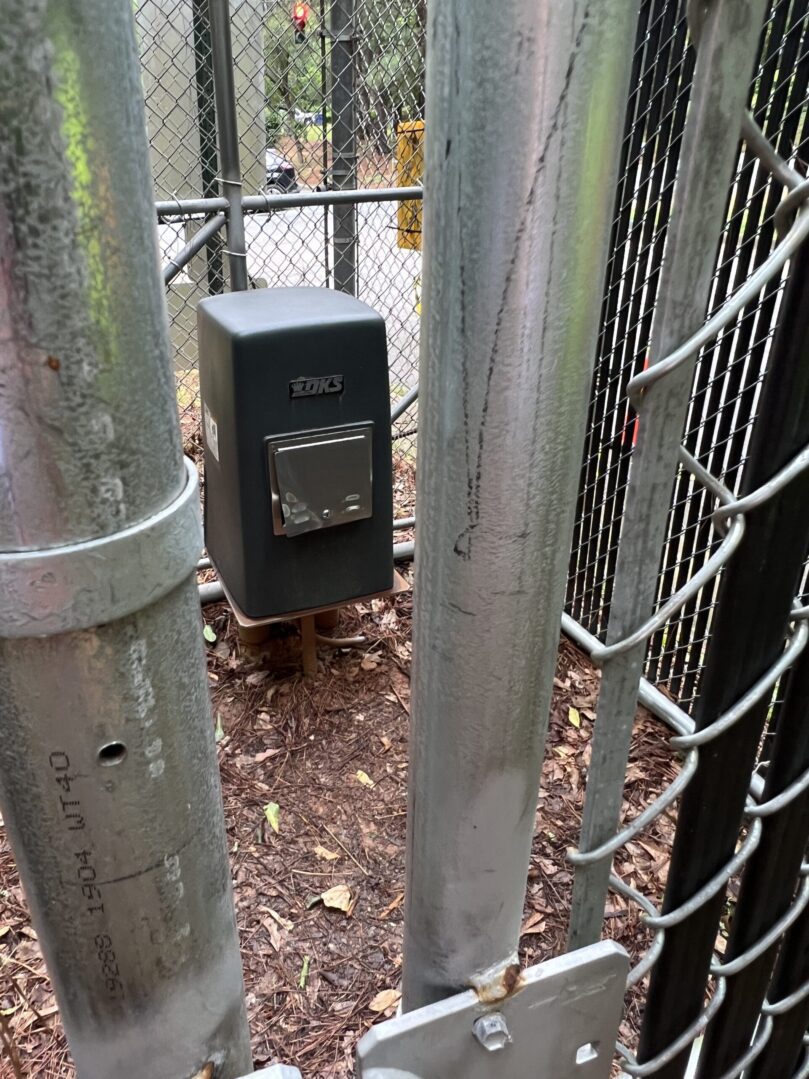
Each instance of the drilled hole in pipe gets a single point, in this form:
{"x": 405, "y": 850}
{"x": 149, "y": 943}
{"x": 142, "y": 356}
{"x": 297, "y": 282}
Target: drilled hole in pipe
{"x": 111, "y": 753}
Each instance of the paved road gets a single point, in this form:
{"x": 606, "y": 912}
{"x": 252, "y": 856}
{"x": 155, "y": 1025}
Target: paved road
{"x": 287, "y": 248}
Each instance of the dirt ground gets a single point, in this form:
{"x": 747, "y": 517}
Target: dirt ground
{"x": 332, "y": 754}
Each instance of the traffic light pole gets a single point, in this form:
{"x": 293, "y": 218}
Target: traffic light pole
{"x": 108, "y": 771}
{"x": 344, "y": 141}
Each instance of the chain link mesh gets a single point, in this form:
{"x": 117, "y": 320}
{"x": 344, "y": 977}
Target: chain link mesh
{"x": 727, "y": 381}
{"x": 284, "y": 88}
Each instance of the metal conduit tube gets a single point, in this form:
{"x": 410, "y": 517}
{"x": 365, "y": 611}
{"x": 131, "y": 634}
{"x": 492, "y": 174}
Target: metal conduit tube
{"x": 206, "y": 233}
{"x": 254, "y": 204}
{"x": 512, "y": 260}
{"x": 108, "y": 771}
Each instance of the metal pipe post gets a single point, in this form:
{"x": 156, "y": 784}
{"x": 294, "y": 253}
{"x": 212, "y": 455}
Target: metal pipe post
{"x": 108, "y": 772}
{"x": 228, "y": 134}
{"x": 206, "y": 130}
{"x": 261, "y": 204}
{"x": 344, "y": 142}
{"x": 514, "y": 255}
{"x": 201, "y": 238}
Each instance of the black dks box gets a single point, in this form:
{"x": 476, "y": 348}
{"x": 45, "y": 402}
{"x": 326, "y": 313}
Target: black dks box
{"x": 296, "y": 429}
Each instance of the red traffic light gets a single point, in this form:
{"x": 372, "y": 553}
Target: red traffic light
{"x": 300, "y": 14}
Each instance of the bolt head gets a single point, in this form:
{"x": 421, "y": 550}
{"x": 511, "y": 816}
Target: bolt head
{"x": 492, "y": 1031}
{"x": 326, "y": 514}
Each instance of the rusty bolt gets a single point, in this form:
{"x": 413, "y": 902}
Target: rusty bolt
{"x": 492, "y": 1031}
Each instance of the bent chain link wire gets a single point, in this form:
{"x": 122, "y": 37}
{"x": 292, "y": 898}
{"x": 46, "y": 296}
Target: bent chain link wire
{"x": 728, "y": 521}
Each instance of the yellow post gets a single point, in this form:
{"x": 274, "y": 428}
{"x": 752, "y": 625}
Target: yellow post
{"x": 409, "y": 171}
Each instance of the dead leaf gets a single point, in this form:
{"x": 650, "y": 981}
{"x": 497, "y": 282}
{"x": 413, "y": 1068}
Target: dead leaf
{"x": 385, "y": 1001}
{"x": 370, "y": 662}
{"x": 573, "y": 716}
{"x": 326, "y": 854}
{"x": 273, "y": 931}
{"x": 534, "y": 923}
{"x": 338, "y": 897}
{"x": 285, "y": 923}
{"x": 365, "y": 779}
{"x": 265, "y": 756}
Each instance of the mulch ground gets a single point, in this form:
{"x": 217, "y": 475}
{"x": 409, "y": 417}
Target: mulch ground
{"x": 331, "y": 754}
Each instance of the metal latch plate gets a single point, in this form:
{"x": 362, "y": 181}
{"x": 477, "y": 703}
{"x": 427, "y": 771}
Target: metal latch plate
{"x": 562, "y": 1022}
{"x": 319, "y": 479}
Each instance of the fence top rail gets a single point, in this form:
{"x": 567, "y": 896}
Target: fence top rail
{"x": 264, "y": 203}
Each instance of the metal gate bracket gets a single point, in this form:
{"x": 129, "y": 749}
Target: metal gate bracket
{"x": 561, "y": 1023}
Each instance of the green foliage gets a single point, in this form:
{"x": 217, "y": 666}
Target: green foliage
{"x": 389, "y": 72}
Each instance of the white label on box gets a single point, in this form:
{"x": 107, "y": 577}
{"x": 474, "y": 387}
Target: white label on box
{"x": 211, "y": 431}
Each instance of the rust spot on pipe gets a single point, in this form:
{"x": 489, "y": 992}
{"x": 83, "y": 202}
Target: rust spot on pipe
{"x": 504, "y": 984}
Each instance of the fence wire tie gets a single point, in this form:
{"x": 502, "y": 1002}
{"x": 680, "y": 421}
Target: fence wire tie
{"x": 750, "y": 1054}
{"x": 662, "y": 802}
{"x": 756, "y": 693}
{"x": 732, "y": 967}
{"x": 641, "y": 383}
{"x": 786, "y": 1004}
{"x": 780, "y": 801}
{"x": 641, "y": 969}
{"x": 679, "y": 1044}
{"x": 714, "y": 885}
{"x": 776, "y": 483}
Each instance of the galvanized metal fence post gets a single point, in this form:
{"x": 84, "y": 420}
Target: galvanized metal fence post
{"x": 228, "y": 136}
{"x": 108, "y": 770}
{"x": 344, "y": 141}
{"x": 514, "y": 255}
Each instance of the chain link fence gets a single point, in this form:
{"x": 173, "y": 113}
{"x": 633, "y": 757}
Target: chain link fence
{"x": 303, "y": 87}
{"x": 727, "y": 382}
{"x": 323, "y": 91}
{"x": 309, "y": 78}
